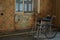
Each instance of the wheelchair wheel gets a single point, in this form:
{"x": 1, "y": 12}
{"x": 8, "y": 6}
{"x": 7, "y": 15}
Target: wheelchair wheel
{"x": 50, "y": 33}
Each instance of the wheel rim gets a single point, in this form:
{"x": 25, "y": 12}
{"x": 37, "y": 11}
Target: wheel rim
{"x": 50, "y": 34}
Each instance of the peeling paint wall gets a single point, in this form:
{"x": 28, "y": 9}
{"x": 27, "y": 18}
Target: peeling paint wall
{"x": 57, "y": 13}
{"x": 45, "y": 7}
{"x": 7, "y": 19}
{"x": 25, "y": 22}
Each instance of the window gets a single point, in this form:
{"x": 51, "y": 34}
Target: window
{"x": 27, "y": 5}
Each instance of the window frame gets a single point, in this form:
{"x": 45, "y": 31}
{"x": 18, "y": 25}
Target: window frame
{"x": 31, "y": 2}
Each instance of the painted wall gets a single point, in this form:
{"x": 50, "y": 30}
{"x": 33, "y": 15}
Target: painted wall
{"x": 57, "y": 13}
{"x": 7, "y": 22}
{"x": 45, "y": 7}
{"x": 6, "y": 15}
{"x": 51, "y": 7}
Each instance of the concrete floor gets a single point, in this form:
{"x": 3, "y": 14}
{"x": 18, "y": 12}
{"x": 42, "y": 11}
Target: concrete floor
{"x": 27, "y": 37}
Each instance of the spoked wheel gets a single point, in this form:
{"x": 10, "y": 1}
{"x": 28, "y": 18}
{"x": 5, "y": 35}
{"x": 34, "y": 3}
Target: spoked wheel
{"x": 50, "y": 33}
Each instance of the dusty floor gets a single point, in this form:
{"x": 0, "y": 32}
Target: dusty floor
{"x": 26, "y": 37}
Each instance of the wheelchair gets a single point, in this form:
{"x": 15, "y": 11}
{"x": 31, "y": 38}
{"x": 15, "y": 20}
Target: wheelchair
{"x": 44, "y": 26}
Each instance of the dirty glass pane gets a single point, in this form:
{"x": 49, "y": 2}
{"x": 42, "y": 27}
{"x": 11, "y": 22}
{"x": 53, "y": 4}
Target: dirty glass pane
{"x": 21, "y": 7}
{"x": 25, "y": 0}
{"x": 25, "y": 7}
{"x": 17, "y": 1}
{"x": 29, "y": 0}
{"x": 30, "y": 7}
{"x": 21, "y": 0}
{"x": 16, "y": 7}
